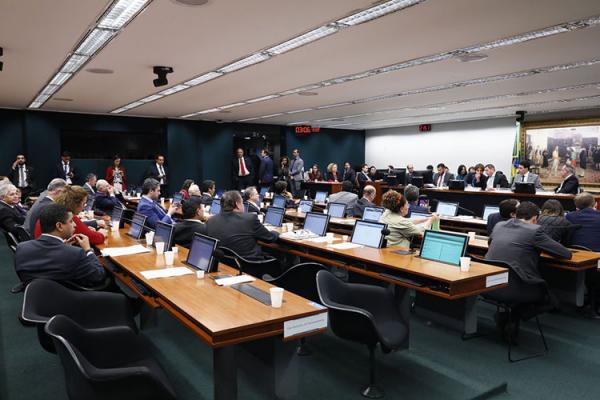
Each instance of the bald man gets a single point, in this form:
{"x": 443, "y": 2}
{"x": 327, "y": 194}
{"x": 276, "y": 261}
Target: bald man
{"x": 365, "y": 201}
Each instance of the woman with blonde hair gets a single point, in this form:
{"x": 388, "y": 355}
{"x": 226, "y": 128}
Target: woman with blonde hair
{"x": 332, "y": 173}
{"x": 401, "y": 229}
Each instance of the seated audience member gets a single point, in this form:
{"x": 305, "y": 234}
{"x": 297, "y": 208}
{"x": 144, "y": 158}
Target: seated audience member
{"x": 10, "y": 215}
{"x": 332, "y": 174}
{"x": 89, "y": 185}
{"x": 194, "y": 191}
{"x": 442, "y": 176}
{"x": 54, "y": 189}
{"x": 238, "y": 230}
{"x": 252, "y": 197}
{"x": 345, "y": 196}
{"x": 208, "y": 192}
{"x": 508, "y": 210}
{"x": 74, "y": 198}
{"x": 461, "y": 172}
{"x": 115, "y": 175}
{"x": 477, "y": 179}
{"x": 527, "y": 177}
{"x": 106, "y": 200}
{"x": 280, "y": 188}
{"x": 494, "y": 179}
{"x": 570, "y": 183}
{"x": 554, "y": 223}
{"x": 411, "y": 193}
{"x": 183, "y": 233}
{"x": 58, "y": 254}
{"x": 373, "y": 174}
{"x": 20, "y": 207}
{"x": 588, "y": 220}
{"x": 348, "y": 174}
{"x": 185, "y": 189}
{"x": 365, "y": 201}
{"x": 150, "y": 208}
{"x": 315, "y": 174}
{"x": 519, "y": 242}
{"x": 401, "y": 229}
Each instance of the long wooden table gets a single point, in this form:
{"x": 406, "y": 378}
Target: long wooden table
{"x": 222, "y": 317}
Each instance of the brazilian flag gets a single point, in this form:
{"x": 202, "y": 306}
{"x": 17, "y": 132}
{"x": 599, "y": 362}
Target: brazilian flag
{"x": 516, "y": 156}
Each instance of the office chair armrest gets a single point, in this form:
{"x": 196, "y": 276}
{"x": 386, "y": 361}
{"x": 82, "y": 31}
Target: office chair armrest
{"x": 101, "y": 286}
{"x": 114, "y": 345}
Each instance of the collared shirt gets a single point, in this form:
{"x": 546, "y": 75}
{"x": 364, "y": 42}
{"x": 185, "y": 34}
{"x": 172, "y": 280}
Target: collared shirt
{"x": 22, "y": 176}
{"x": 440, "y": 181}
{"x": 161, "y": 171}
{"x": 67, "y": 169}
{"x": 194, "y": 220}
{"x": 525, "y": 177}
{"x": 490, "y": 181}
{"x": 53, "y": 236}
{"x": 242, "y": 168}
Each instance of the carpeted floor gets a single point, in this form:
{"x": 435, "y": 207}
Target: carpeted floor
{"x": 439, "y": 365}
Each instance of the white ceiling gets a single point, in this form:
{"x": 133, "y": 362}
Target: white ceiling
{"x": 37, "y": 36}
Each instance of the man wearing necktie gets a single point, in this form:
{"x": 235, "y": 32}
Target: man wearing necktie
{"x": 442, "y": 177}
{"x": 66, "y": 170}
{"x": 158, "y": 171}
{"x": 21, "y": 175}
{"x": 242, "y": 170}
{"x": 149, "y": 207}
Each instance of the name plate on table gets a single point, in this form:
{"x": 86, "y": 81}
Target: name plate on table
{"x": 497, "y": 279}
{"x": 306, "y": 324}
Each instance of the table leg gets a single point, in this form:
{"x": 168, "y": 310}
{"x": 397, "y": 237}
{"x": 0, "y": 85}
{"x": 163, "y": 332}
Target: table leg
{"x": 460, "y": 315}
{"x": 224, "y": 373}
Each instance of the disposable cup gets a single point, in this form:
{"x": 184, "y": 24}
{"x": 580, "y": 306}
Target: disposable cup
{"x": 169, "y": 258}
{"x": 160, "y": 247}
{"x": 465, "y": 264}
{"x": 276, "y": 297}
{"x": 149, "y": 238}
{"x": 200, "y": 274}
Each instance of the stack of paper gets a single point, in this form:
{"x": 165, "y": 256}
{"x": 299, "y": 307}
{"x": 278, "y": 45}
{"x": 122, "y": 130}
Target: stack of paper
{"x": 345, "y": 246}
{"x": 166, "y": 272}
{"x": 124, "y": 251}
{"x": 234, "y": 280}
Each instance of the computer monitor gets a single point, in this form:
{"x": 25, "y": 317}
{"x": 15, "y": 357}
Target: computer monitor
{"x": 305, "y": 206}
{"x": 274, "y": 216}
{"x": 417, "y": 181}
{"x": 336, "y": 210}
{"x": 444, "y": 247}
{"x": 201, "y": 254}
{"x": 426, "y": 174}
{"x": 164, "y": 233}
{"x": 525, "y": 187}
{"x": 278, "y": 201}
{"x": 419, "y": 215}
{"x": 372, "y": 214}
{"x": 447, "y": 209}
{"x": 487, "y": 210}
{"x": 215, "y": 207}
{"x": 137, "y": 226}
{"x": 316, "y": 223}
{"x": 368, "y": 233}
{"x": 456, "y": 184}
{"x": 320, "y": 197}
{"x": 177, "y": 198}
{"x": 397, "y": 176}
{"x": 264, "y": 190}
{"x": 117, "y": 215}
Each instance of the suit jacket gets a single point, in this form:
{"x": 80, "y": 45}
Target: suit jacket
{"x": 359, "y": 207}
{"x": 89, "y": 205}
{"x": 10, "y": 217}
{"x": 49, "y": 258}
{"x": 60, "y": 172}
{"x": 13, "y": 175}
{"x": 239, "y": 232}
{"x": 569, "y": 185}
{"x": 183, "y": 233}
{"x": 253, "y": 208}
{"x": 558, "y": 228}
{"x": 531, "y": 178}
{"x": 347, "y": 198}
{"x": 329, "y": 176}
{"x": 519, "y": 244}
{"x": 265, "y": 171}
{"x": 362, "y": 179}
{"x": 447, "y": 176}
{"x": 499, "y": 180}
{"x": 588, "y": 233}
{"x": 235, "y": 167}
{"x": 154, "y": 212}
{"x": 349, "y": 175}
{"x": 297, "y": 169}
{"x": 492, "y": 220}
{"x": 152, "y": 172}
{"x": 105, "y": 202}
{"x": 206, "y": 199}
{"x": 34, "y": 214}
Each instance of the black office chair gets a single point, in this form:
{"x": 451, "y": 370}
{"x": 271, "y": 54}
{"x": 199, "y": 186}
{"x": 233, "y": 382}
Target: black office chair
{"x": 44, "y": 299}
{"x": 501, "y": 299}
{"x": 11, "y": 241}
{"x": 365, "y": 314}
{"x": 111, "y": 363}
{"x": 301, "y": 280}
{"x": 255, "y": 268}
{"x": 22, "y": 234}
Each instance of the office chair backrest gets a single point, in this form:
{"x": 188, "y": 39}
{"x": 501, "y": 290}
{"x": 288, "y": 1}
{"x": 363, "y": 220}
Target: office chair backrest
{"x": 11, "y": 241}
{"x": 44, "y": 299}
{"x": 578, "y": 247}
{"x": 252, "y": 267}
{"x": 22, "y": 234}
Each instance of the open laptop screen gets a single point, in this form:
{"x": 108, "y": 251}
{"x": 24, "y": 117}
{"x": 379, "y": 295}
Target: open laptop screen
{"x": 316, "y": 223}
{"x": 137, "y": 226}
{"x": 372, "y": 214}
{"x": 336, "y": 210}
{"x": 274, "y": 216}
{"x": 215, "y": 207}
{"x": 305, "y": 206}
{"x": 368, "y": 233}
{"x": 448, "y": 209}
{"x": 487, "y": 210}
{"x": 444, "y": 246}
{"x": 278, "y": 201}
{"x": 163, "y": 233}
{"x": 320, "y": 197}
{"x": 201, "y": 252}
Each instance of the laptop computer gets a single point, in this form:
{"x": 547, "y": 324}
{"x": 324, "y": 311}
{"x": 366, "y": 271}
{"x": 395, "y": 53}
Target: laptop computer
{"x": 444, "y": 247}
{"x": 263, "y": 191}
{"x": 116, "y": 216}
{"x": 201, "y": 253}
{"x": 320, "y": 197}
{"x": 368, "y": 233}
{"x": 164, "y": 233}
{"x": 525, "y": 187}
{"x": 447, "y": 209}
{"x": 215, "y": 207}
{"x": 336, "y": 210}
{"x": 137, "y": 226}
{"x": 372, "y": 214}
{"x": 274, "y": 216}
{"x": 487, "y": 210}
{"x": 316, "y": 223}
{"x": 278, "y": 201}
{"x": 305, "y": 206}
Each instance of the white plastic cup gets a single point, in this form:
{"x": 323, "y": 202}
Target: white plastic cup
{"x": 138, "y": 194}
{"x": 345, "y": 238}
{"x": 115, "y": 226}
{"x": 465, "y": 264}
{"x": 169, "y": 258}
{"x": 261, "y": 218}
{"x": 471, "y": 236}
{"x": 276, "y": 297}
{"x": 289, "y": 226}
{"x": 200, "y": 274}
{"x": 262, "y": 204}
{"x": 162, "y": 201}
{"x": 329, "y": 236}
{"x": 160, "y": 247}
{"x": 149, "y": 238}
{"x": 175, "y": 250}
{"x": 325, "y": 211}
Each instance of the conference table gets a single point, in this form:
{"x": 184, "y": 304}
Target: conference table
{"x": 333, "y": 187}
{"x": 222, "y": 317}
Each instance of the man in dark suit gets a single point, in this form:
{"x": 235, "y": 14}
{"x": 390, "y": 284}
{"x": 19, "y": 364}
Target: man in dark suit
{"x": 570, "y": 183}
{"x": 252, "y": 198}
{"x": 158, "y": 171}
{"x": 22, "y": 176}
{"x": 54, "y": 189}
{"x": 208, "y": 189}
{"x": 411, "y": 192}
{"x": 508, "y": 210}
{"x": 89, "y": 185}
{"x": 66, "y": 170}
{"x": 365, "y": 201}
{"x": 10, "y": 216}
{"x": 494, "y": 179}
{"x": 442, "y": 176}
{"x": 348, "y": 174}
{"x": 237, "y": 230}
{"x": 149, "y": 207}
{"x": 58, "y": 254}
{"x": 242, "y": 170}
{"x": 588, "y": 219}
{"x": 183, "y": 233}
{"x": 265, "y": 171}
{"x": 105, "y": 199}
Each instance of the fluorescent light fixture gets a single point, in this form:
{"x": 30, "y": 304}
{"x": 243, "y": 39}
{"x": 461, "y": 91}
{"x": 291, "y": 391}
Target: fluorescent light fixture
{"x": 210, "y": 110}
{"x": 173, "y": 90}
{"x": 231, "y": 106}
{"x": 271, "y": 115}
{"x": 269, "y": 97}
{"x": 244, "y": 62}
{"x": 334, "y": 105}
{"x": 377, "y": 11}
{"x": 301, "y": 40}
{"x": 301, "y": 89}
{"x": 249, "y": 119}
{"x": 94, "y": 41}
{"x": 150, "y": 98}
{"x": 60, "y": 78}
{"x": 73, "y": 63}
{"x": 121, "y": 13}
{"x": 203, "y": 78}
{"x": 299, "y": 111}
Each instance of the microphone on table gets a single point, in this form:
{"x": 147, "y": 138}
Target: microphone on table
{"x": 469, "y": 212}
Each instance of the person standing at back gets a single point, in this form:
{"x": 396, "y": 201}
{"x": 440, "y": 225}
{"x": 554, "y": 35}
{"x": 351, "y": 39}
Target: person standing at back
{"x": 242, "y": 170}
{"x": 66, "y": 170}
{"x": 21, "y": 175}
{"x": 115, "y": 175}
{"x": 296, "y": 172}
{"x": 158, "y": 171}
{"x": 265, "y": 171}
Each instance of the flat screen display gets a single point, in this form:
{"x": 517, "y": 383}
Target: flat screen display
{"x": 368, "y": 233}
{"x": 201, "y": 252}
{"x": 316, "y": 223}
{"x": 336, "y": 210}
{"x": 443, "y": 247}
{"x": 372, "y": 214}
{"x": 274, "y": 216}
{"x": 448, "y": 209}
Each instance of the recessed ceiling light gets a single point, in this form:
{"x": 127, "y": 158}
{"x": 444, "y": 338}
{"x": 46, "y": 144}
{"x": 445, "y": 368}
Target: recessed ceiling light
{"x": 471, "y": 57}
{"x": 308, "y": 94}
{"x": 100, "y": 71}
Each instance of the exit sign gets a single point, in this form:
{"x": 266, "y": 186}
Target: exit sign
{"x": 424, "y": 127}
{"x": 306, "y": 130}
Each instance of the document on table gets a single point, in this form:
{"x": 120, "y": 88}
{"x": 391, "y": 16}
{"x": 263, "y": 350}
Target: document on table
{"x": 345, "y": 246}
{"x": 234, "y": 280}
{"x": 124, "y": 251}
{"x": 166, "y": 272}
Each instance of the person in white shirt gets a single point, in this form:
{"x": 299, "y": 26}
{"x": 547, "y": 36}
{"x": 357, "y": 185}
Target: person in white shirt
{"x": 158, "y": 171}
{"x": 494, "y": 179}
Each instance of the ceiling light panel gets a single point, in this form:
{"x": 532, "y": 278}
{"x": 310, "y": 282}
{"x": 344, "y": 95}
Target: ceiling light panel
{"x": 244, "y": 62}
{"x": 74, "y": 62}
{"x": 94, "y": 41}
{"x": 377, "y": 11}
{"x": 203, "y": 78}
{"x": 121, "y": 13}
{"x": 301, "y": 40}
